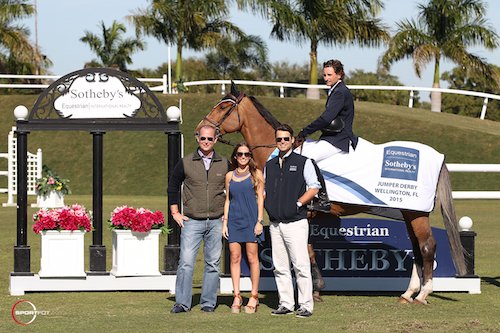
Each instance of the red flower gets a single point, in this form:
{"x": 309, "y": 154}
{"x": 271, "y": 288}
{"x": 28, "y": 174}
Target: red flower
{"x": 140, "y": 220}
{"x": 66, "y": 218}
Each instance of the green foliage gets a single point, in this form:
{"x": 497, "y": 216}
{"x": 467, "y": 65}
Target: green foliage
{"x": 460, "y": 78}
{"x": 445, "y": 29}
{"x": 135, "y": 311}
{"x": 318, "y": 22}
{"x": 135, "y": 163}
{"x": 243, "y": 57}
{"x": 283, "y": 71}
{"x": 111, "y": 48}
{"x": 51, "y": 182}
{"x": 360, "y": 77}
{"x": 17, "y": 54}
{"x": 196, "y": 24}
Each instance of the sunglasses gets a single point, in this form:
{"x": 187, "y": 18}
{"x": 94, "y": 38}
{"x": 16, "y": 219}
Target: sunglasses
{"x": 285, "y": 138}
{"x": 246, "y": 154}
{"x": 203, "y": 138}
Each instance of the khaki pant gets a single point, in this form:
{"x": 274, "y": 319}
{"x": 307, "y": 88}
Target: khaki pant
{"x": 289, "y": 246}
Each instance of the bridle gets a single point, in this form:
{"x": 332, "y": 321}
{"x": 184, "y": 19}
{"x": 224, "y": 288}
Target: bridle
{"x": 235, "y": 102}
{"x": 217, "y": 125}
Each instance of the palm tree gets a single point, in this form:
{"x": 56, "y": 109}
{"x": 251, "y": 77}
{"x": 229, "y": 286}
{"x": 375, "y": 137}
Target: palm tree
{"x": 328, "y": 22}
{"x": 111, "y": 48}
{"x": 17, "y": 54}
{"x": 444, "y": 29}
{"x": 194, "y": 24}
{"x": 232, "y": 57}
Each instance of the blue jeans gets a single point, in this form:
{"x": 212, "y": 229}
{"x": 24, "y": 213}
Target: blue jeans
{"x": 194, "y": 231}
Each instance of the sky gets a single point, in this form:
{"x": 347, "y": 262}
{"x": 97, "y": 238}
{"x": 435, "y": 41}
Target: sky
{"x": 61, "y": 24}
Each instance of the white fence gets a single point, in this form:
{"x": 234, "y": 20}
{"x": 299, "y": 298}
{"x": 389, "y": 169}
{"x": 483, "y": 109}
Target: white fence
{"x": 162, "y": 85}
{"x": 34, "y": 170}
{"x": 452, "y": 167}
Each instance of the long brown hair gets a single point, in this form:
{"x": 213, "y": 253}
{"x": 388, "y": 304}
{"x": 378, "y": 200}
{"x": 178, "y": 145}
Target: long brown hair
{"x": 252, "y": 166}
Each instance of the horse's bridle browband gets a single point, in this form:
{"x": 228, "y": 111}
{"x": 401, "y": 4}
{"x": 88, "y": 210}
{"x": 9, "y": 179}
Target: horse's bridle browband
{"x": 217, "y": 125}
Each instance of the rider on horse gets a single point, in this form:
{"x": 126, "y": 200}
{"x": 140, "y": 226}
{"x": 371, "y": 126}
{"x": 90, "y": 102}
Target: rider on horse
{"x": 335, "y": 123}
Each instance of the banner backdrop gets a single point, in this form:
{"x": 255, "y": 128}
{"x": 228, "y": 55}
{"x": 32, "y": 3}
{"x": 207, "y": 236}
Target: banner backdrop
{"x": 362, "y": 247}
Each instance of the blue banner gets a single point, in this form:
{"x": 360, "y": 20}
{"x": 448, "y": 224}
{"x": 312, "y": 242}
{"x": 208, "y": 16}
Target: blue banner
{"x": 362, "y": 247}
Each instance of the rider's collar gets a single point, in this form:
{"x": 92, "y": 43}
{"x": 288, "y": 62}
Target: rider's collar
{"x": 333, "y": 87}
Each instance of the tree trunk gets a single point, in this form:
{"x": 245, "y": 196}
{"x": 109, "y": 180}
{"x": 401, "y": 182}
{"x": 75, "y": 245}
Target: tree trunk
{"x": 178, "y": 62}
{"x": 436, "y": 96}
{"x": 313, "y": 93}
{"x": 435, "y": 99}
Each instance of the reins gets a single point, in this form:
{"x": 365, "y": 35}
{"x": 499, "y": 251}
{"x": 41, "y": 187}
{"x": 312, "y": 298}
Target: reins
{"x": 217, "y": 125}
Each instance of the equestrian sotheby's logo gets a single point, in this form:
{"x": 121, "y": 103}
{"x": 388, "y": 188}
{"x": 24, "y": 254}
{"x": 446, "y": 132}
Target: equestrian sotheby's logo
{"x": 400, "y": 163}
{"x": 24, "y": 312}
{"x": 97, "y": 96}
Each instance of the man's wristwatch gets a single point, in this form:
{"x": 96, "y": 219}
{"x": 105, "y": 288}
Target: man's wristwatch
{"x": 261, "y": 222}
{"x": 299, "y": 204}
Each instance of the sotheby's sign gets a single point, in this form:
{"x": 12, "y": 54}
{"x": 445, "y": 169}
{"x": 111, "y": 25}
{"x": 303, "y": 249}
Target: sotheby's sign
{"x": 363, "y": 247}
{"x": 97, "y": 95}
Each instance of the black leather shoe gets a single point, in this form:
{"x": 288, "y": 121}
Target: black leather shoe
{"x": 207, "y": 309}
{"x": 178, "y": 309}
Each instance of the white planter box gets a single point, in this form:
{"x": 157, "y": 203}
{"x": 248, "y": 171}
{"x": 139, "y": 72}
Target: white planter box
{"x": 62, "y": 253}
{"x": 53, "y": 199}
{"x": 135, "y": 253}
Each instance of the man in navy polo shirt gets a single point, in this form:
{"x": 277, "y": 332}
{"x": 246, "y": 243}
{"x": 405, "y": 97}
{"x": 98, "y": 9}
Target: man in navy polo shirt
{"x": 291, "y": 183}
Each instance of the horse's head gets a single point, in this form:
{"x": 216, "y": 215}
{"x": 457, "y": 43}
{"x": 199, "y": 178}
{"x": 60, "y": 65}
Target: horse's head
{"x": 238, "y": 112}
{"x": 225, "y": 116}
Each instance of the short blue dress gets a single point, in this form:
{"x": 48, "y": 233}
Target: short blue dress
{"x": 243, "y": 212}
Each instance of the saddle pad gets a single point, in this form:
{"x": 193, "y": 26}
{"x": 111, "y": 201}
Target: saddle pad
{"x": 397, "y": 174}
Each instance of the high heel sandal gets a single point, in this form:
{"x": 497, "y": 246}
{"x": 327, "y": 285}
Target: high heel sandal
{"x": 237, "y": 308}
{"x": 250, "y": 308}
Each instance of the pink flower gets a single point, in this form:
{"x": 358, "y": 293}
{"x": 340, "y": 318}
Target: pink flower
{"x": 140, "y": 220}
{"x": 51, "y": 181}
{"x": 66, "y": 218}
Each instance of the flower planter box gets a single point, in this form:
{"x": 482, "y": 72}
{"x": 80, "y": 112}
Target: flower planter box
{"x": 135, "y": 253}
{"x": 52, "y": 199}
{"x": 62, "y": 253}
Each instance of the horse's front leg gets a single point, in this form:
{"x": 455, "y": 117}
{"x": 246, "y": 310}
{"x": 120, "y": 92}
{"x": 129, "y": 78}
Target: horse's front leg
{"x": 424, "y": 250}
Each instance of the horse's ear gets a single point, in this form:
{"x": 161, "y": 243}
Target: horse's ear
{"x": 234, "y": 90}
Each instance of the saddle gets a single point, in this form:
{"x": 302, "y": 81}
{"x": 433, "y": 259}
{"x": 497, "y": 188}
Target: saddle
{"x": 336, "y": 126}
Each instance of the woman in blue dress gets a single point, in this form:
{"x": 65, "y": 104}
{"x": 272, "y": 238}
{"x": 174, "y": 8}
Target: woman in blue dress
{"x": 243, "y": 221}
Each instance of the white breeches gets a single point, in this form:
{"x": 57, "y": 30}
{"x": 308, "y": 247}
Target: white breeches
{"x": 317, "y": 150}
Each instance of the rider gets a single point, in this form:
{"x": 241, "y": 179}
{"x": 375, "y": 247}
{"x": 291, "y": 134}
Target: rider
{"x": 335, "y": 123}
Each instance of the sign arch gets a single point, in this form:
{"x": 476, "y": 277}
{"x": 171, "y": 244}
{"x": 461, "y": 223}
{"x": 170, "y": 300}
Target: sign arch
{"x": 96, "y": 100}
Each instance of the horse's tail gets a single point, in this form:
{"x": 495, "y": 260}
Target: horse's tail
{"x": 450, "y": 220}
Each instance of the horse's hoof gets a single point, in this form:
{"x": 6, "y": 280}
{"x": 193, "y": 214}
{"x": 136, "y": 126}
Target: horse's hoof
{"x": 317, "y": 297}
{"x": 404, "y": 300}
{"x": 419, "y": 302}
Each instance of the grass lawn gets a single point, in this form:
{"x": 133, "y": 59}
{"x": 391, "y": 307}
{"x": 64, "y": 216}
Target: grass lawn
{"x": 149, "y": 311}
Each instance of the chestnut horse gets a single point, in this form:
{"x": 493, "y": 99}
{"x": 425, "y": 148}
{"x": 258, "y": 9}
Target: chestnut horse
{"x": 238, "y": 112}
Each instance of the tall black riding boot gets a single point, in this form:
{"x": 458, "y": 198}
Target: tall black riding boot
{"x": 322, "y": 203}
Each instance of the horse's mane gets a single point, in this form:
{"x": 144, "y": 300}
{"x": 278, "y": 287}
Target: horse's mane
{"x": 265, "y": 113}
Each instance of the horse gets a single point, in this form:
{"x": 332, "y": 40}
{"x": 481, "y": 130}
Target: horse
{"x": 237, "y": 112}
